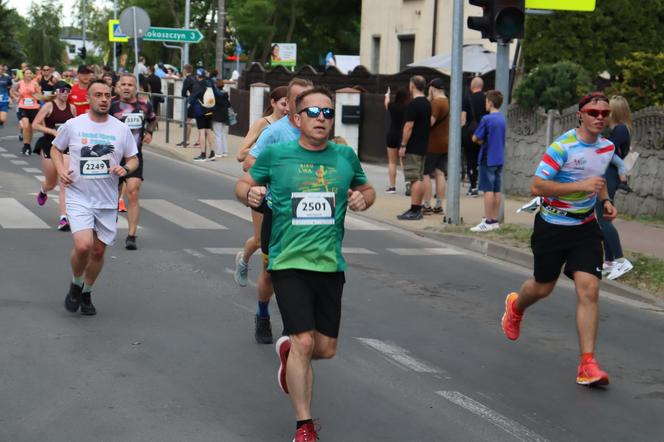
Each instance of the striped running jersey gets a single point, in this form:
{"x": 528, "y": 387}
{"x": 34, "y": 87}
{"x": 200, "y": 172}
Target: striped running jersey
{"x": 569, "y": 160}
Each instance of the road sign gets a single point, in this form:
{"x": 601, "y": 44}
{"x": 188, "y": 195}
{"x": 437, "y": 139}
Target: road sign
{"x": 562, "y": 5}
{"x": 115, "y": 33}
{"x": 173, "y": 35}
{"x": 134, "y": 22}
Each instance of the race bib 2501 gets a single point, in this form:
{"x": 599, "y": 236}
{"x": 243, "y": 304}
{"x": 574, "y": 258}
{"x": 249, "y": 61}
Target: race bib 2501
{"x": 313, "y": 208}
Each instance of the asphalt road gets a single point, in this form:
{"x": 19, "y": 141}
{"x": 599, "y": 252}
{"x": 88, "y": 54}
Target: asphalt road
{"x": 171, "y": 355}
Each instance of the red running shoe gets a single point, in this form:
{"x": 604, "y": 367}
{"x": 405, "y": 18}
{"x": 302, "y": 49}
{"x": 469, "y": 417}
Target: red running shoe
{"x": 283, "y": 347}
{"x": 121, "y": 205}
{"x": 511, "y": 321}
{"x": 306, "y": 433}
{"x": 589, "y": 373}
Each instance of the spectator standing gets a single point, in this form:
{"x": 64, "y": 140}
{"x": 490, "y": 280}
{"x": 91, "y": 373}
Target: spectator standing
{"x": 435, "y": 164}
{"x": 396, "y": 109}
{"x": 414, "y": 143}
{"x": 153, "y": 82}
{"x": 620, "y": 123}
{"x": 491, "y": 135}
{"x": 220, "y": 120}
{"x": 188, "y": 80}
{"x": 160, "y": 71}
{"x": 202, "y": 113}
{"x": 472, "y": 111}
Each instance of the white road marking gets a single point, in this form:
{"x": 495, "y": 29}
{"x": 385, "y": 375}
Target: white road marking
{"x": 398, "y": 355}
{"x": 223, "y": 250}
{"x": 356, "y": 251}
{"x": 193, "y": 252}
{"x": 8, "y": 155}
{"x": 514, "y": 428}
{"x": 177, "y": 215}
{"x": 233, "y": 207}
{"x": 2, "y": 149}
{"x": 426, "y": 251}
{"x": 19, "y": 162}
{"x": 14, "y": 215}
{"x": 354, "y": 223}
{"x": 31, "y": 169}
{"x": 39, "y": 178}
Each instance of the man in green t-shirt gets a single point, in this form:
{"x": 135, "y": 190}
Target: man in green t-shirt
{"x": 313, "y": 182}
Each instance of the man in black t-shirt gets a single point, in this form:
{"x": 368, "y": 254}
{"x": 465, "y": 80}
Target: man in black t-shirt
{"x": 472, "y": 111}
{"x": 414, "y": 143}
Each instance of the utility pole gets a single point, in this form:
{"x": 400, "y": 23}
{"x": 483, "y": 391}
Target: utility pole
{"x": 83, "y": 25}
{"x": 221, "y": 26}
{"x": 187, "y": 19}
{"x": 115, "y": 47}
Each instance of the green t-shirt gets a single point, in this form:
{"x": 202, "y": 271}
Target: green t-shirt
{"x": 309, "y": 202}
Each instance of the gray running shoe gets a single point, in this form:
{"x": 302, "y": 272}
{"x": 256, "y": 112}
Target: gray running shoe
{"x": 241, "y": 270}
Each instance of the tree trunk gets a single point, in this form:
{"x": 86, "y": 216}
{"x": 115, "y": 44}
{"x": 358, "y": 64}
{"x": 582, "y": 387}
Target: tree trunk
{"x": 219, "y": 52}
{"x": 291, "y": 24}
{"x": 268, "y": 41}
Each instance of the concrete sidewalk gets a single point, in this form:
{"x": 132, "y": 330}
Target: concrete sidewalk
{"x": 635, "y": 236}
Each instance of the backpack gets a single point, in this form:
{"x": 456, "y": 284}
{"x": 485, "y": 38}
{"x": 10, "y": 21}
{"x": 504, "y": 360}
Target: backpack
{"x": 208, "y": 98}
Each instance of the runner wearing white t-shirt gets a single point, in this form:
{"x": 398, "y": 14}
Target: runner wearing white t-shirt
{"x": 97, "y": 145}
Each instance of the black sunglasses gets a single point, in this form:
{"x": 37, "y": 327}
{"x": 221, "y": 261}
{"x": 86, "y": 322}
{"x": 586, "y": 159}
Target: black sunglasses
{"x": 314, "y": 112}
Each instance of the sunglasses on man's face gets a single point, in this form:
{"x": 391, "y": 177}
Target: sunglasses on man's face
{"x": 314, "y": 112}
{"x": 63, "y": 90}
{"x": 596, "y": 113}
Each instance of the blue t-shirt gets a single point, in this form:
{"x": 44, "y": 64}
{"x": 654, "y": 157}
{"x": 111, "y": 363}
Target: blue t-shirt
{"x": 5, "y": 85}
{"x": 279, "y": 132}
{"x": 491, "y": 131}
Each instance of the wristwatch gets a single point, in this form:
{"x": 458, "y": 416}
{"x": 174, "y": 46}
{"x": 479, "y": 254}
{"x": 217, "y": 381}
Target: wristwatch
{"x": 607, "y": 199}
{"x": 126, "y": 169}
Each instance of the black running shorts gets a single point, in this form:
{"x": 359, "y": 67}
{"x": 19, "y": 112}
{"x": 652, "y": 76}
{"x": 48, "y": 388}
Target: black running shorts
{"x": 309, "y": 300}
{"x": 266, "y": 229}
{"x": 138, "y": 173}
{"x": 30, "y": 114}
{"x": 578, "y": 248}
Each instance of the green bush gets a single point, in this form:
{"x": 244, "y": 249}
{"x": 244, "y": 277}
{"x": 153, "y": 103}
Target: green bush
{"x": 641, "y": 79}
{"x": 553, "y": 86}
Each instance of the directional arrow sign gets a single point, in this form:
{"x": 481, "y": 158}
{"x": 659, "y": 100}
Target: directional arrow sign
{"x": 173, "y": 35}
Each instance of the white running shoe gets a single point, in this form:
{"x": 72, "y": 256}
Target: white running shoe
{"x": 484, "y": 227}
{"x": 620, "y": 269}
{"x": 608, "y": 267}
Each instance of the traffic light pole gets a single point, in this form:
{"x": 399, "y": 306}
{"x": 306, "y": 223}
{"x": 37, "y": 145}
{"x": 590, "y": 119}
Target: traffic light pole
{"x": 456, "y": 91}
{"x": 503, "y": 85}
{"x": 115, "y": 52}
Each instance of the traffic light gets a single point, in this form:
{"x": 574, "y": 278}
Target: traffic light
{"x": 484, "y": 24}
{"x": 509, "y": 19}
{"x": 501, "y": 19}
{"x": 82, "y": 52}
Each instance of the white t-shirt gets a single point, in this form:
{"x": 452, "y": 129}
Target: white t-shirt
{"x": 95, "y": 148}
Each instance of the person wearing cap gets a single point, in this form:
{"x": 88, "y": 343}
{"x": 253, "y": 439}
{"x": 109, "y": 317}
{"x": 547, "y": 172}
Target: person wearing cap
{"x": 202, "y": 114}
{"x": 435, "y": 163}
{"x": 79, "y": 92}
{"x": 50, "y": 117}
{"x": 570, "y": 178}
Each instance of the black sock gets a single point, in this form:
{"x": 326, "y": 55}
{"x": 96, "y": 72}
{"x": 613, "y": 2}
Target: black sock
{"x": 415, "y": 208}
{"x": 304, "y": 422}
{"x": 26, "y": 146}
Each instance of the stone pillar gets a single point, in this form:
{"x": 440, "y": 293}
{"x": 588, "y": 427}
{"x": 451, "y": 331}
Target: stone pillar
{"x": 257, "y": 93}
{"x": 351, "y": 129}
{"x": 178, "y": 106}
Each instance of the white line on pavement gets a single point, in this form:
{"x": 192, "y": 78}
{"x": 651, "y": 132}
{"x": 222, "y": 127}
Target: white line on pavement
{"x": 514, "y": 428}
{"x": 19, "y": 162}
{"x": 398, "y": 355}
{"x": 31, "y": 169}
{"x": 233, "y": 207}
{"x": 2, "y": 149}
{"x": 14, "y": 215}
{"x": 426, "y": 251}
{"x": 8, "y": 155}
{"x": 193, "y": 252}
{"x": 356, "y": 251}
{"x": 223, "y": 250}
{"x": 39, "y": 178}
{"x": 177, "y": 215}
{"x": 354, "y": 223}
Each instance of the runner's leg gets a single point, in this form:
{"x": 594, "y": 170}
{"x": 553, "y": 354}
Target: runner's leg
{"x": 63, "y": 191}
{"x": 587, "y": 310}
{"x": 133, "y": 188}
{"x": 299, "y": 375}
{"x": 392, "y": 155}
{"x": 532, "y": 291}
{"x": 80, "y": 254}
{"x": 253, "y": 243}
{"x": 50, "y": 173}
{"x": 96, "y": 261}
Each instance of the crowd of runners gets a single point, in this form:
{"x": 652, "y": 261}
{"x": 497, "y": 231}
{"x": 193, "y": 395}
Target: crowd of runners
{"x": 298, "y": 186}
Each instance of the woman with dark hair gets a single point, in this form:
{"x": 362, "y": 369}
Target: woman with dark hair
{"x": 396, "y": 108}
{"x": 278, "y": 109}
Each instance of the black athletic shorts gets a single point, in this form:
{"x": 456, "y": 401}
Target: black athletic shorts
{"x": 435, "y": 161}
{"x": 138, "y": 173}
{"x": 309, "y": 300}
{"x": 30, "y": 114}
{"x": 44, "y": 144}
{"x": 579, "y": 248}
{"x": 261, "y": 208}
{"x": 266, "y": 229}
{"x": 204, "y": 122}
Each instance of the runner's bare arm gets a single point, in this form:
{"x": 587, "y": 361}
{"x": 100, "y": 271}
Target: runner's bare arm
{"x": 248, "y": 162}
{"x": 251, "y": 137}
{"x": 249, "y": 192}
{"x": 361, "y": 197}
{"x": 38, "y": 123}
{"x": 131, "y": 164}
{"x": 73, "y": 109}
{"x": 59, "y": 163}
{"x": 541, "y": 187}
{"x": 610, "y": 212}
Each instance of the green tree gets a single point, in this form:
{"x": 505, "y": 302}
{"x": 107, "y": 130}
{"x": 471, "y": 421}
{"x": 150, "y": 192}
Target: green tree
{"x": 642, "y": 77}
{"x": 553, "y": 86}
{"x": 595, "y": 40}
{"x": 43, "y": 44}
{"x": 12, "y": 24}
